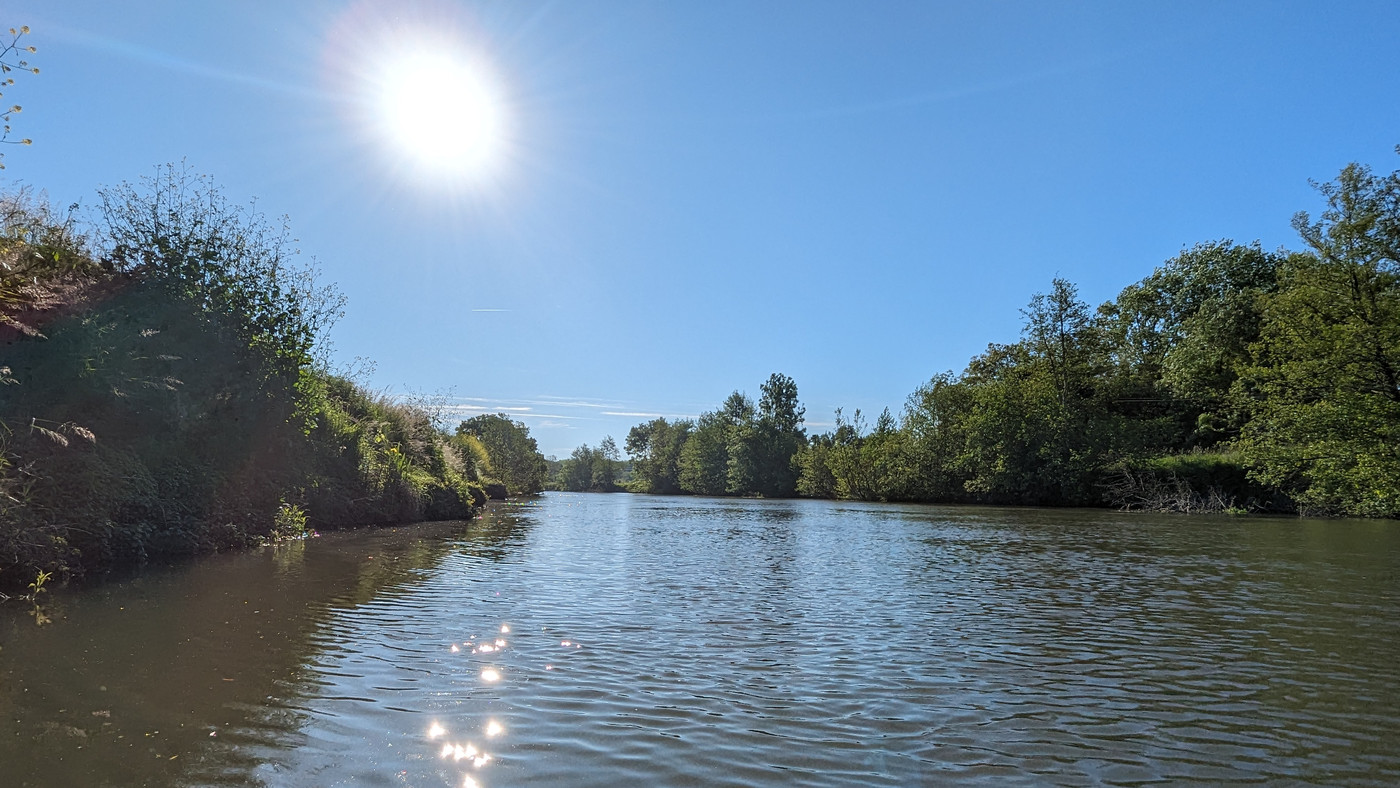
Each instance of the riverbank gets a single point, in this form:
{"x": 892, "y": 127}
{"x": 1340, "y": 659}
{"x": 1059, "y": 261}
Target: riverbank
{"x": 163, "y": 393}
{"x": 1232, "y": 378}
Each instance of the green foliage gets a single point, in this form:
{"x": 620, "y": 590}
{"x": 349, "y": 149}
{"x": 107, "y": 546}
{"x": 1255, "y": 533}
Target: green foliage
{"x": 175, "y": 230}
{"x": 773, "y": 440}
{"x": 41, "y": 254}
{"x": 514, "y": 457}
{"x": 1178, "y": 338}
{"x": 1323, "y": 393}
{"x": 738, "y": 449}
{"x": 288, "y": 523}
{"x": 813, "y": 463}
{"x": 866, "y": 467}
{"x": 591, "y": 469}
{"x": 702, "y": 467}
{"x": 171, "y": 403}
{"x": 37, "y": 587}
{"x": 371, "y": 459}
{"x": 655, "y": 450}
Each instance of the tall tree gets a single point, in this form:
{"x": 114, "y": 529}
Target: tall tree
{"x": 702, "y": 467}
{"x": 1324, "y": 388}
{"x": 773, "y": 440}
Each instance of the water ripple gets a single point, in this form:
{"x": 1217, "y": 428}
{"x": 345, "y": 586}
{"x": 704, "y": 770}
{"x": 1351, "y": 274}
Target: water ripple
{"x": 586, "y": 640}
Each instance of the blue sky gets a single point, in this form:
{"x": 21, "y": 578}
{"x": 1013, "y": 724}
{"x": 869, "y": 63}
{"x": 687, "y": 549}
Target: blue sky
{"x": 690, "y": 196}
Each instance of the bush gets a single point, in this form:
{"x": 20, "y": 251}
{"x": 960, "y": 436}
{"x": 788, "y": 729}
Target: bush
{"x": 172, "y": 404}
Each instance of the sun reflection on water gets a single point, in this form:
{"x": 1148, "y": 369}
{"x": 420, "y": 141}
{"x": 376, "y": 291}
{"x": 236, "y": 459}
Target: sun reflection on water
{"x": 462, "y": 750}
{"x": 465, "y": 751}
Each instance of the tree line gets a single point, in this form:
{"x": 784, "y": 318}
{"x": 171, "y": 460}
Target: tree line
{"x": 1230, "y": 378}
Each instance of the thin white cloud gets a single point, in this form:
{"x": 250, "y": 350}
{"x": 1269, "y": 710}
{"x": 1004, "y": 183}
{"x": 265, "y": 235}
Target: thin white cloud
{"x": 553, "y": 402}
{"x": 580, "y": 402}
{"x": 486, "y": 408}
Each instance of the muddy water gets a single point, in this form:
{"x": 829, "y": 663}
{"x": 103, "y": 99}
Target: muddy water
{"x": 583, "y": 640}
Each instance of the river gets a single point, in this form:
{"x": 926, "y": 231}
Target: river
{"x": 620, "y": 640}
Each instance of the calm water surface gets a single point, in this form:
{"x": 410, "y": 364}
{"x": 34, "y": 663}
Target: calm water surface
{"x": 583, "y": 640}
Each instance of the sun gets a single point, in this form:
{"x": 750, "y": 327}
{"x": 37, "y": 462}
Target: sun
{"x": 429, "y": 107}
{"x": 442, "y": 112}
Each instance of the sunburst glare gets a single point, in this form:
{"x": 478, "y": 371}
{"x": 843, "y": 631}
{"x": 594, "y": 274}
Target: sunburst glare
{"x": 440, "y": 110}
{"x": 431, "y": 105}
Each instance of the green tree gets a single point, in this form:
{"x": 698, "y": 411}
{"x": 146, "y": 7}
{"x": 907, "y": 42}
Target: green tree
{"x": 606, "y": 465}
{"x": 515, "y": 458}
{"x": 1177, "y": 338}
{"x": 935, "y": 436}
{"x": 702, "y": 467}
{"x": 1035, "y": 431}
{"x": 655, "y": 450}
{"x": 814, "y": 477}
{"x": 867, "y": 467}
{"x": 780, "y": 436}
{"x": 591, "y": 470}
{"x": 1323, "y": 392}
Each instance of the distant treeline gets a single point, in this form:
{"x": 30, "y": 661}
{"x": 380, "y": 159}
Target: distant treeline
{"x": 161, "y": 393}
{"x": 1231, "y": 378}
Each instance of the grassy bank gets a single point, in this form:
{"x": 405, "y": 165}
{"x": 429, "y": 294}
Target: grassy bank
{"x": 162, "y": 393}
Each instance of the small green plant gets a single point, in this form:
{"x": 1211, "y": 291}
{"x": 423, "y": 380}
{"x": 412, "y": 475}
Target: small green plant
{"x": 37, "y": 587}
{"x": 289, "y": 523}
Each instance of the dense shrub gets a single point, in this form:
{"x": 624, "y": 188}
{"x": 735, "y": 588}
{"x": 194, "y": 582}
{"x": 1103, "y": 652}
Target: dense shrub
{"x": 163, "y": 396}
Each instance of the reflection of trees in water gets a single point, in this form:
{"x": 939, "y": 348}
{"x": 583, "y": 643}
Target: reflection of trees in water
{"x": 225, "y": 646}
{"x": 502, "y": 529}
